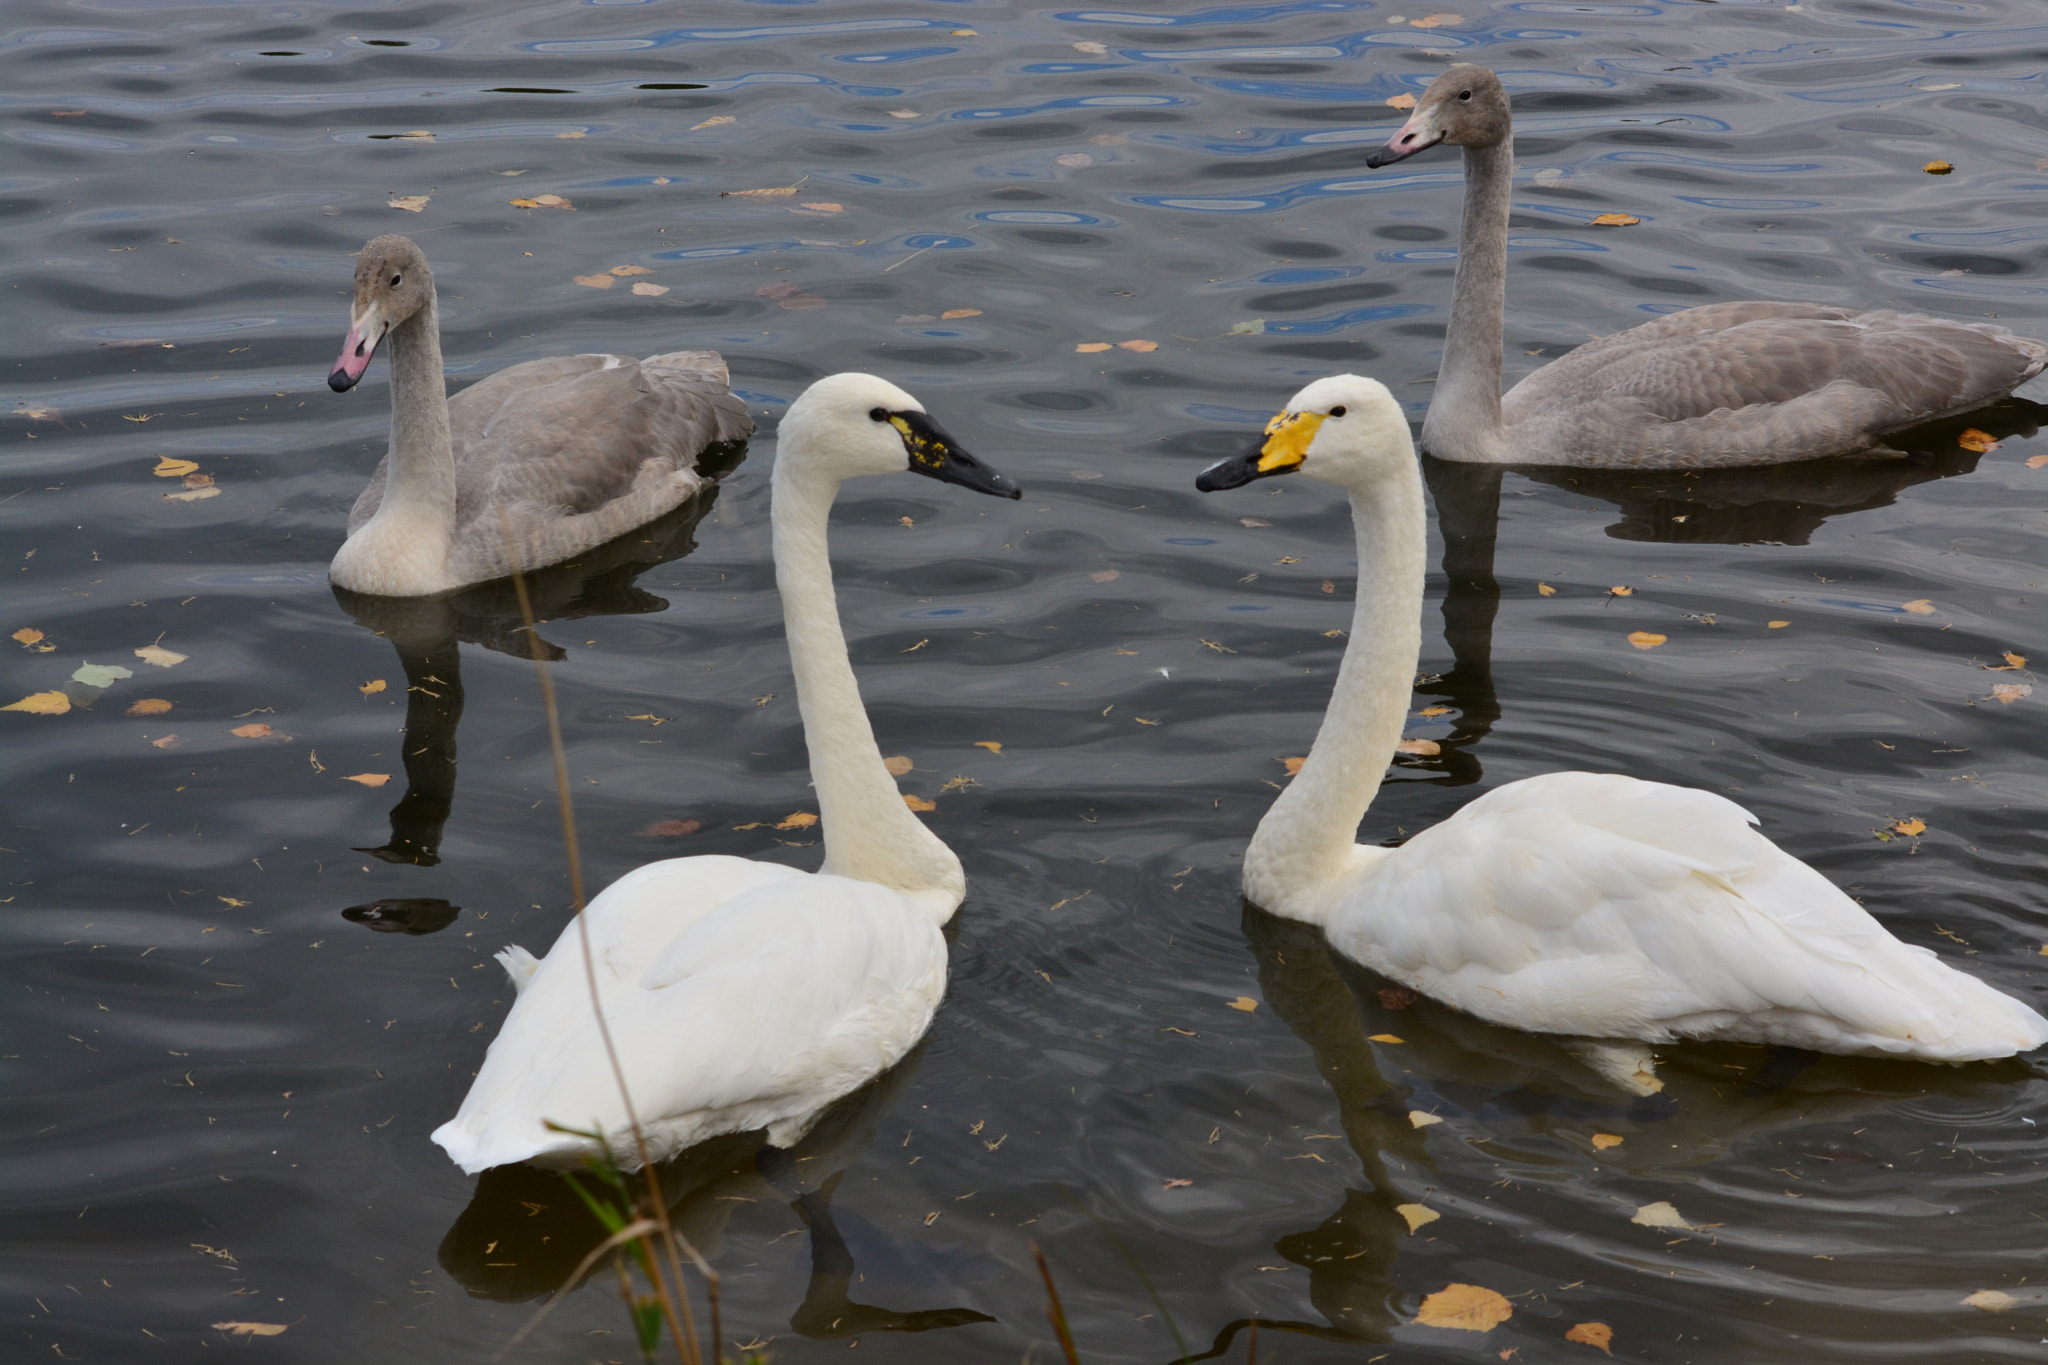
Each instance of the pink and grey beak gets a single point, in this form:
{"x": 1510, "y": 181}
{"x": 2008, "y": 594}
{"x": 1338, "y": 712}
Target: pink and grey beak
{"x": 1418, "y": 134}
{"x": 364, "y": 332}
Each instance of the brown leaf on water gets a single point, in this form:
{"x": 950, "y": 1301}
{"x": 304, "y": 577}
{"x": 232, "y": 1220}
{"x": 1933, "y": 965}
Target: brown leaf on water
{"x": 1592, "y": 1334}
{"x": 919, "y": 803}
{"x": 168, "y": 468}
{"x": 1090, "y": 347}
{"x": 1937, "y": 168}
{"x": 768, "y": 193}
{"x": 1421, "y": 748}
{"x": 1979, "y": 441}
{"x": 543, "y": 201}
{"x": 1245, "y": 1003}
{"x": 1328, "y": 586}
{"x": 1545, "y": 590}
{"x": 1105, "y": 576}
{"x": 1645, "y": 639}
{"x": 372, "y": 687}
{"x": 2037, "y": 461}
{"x": 1293, "y": 765}
{"x": 802, "y": 819}
{"x": 167, "y": 742}
{"x": 1400, "y": 101}
{"x": 1465, "y": 1308}
{"x": 1919, "y": 606}
{"x": 1991, "y": 1300}
{"x": 1615, "y": 220}
{"x": 822, "y": 207}
{"x": 253, "y": 730}
{"x": 1437, "y": 21}
{"x": 1176, "y": 1184}
{"x": 670, "y": 829}
{"x": 1417, "y": 1215}
{"x": 29, "y": 637}
{"x": 595, "y": 281}
{"x": 199, "y": 481}
{"x": 2005, "y": 694}
{"x": 368, "y": 779}
{"x": 250, "y": 1329}
{"x": 411, "y": 203}
{"x": 714, "y": 121}
{"x": 41, "y": 704}
{"x": 1602, "y": 1141}
{"x": 148, "y": 706}
{"x": 897, "y": 764}
{"x": 1397, "y": 997}
{"x": 631, "y": 270}
{"x": 952, "y": 313}
{"x": 650, "y": 291}
{"x": 1138, "y": 345}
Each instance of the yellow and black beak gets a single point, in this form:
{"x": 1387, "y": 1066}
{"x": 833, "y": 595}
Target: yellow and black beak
{"x": 936, "y": 455}
{"x": 1288, "y": 437}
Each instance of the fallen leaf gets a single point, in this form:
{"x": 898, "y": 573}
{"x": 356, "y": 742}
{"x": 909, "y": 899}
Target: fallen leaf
{"x": 1091, "y": 347}
{"x": 2037, "y": 461}
{"x": 148, "y": 706}
{"x": 631, "y": 270}
{"x": 167, "y": 742}
{"x": 230, "y": 902}
{"x": 168, "y": 468}
{"x": 1105, "y": 575}
{"x": 368, "y": 779}
{"x": 1417, "y": 1215}
{"x": 993, "y": 746}
{"x": 1256, "y": 327}
{"x": 1659, "y": 1215}
{"x": 1142, "y": 721}
{"x": 1397, "y": 997}
{"x": 253, "y": 730}
{"x": 545, "y": 201}
{"x": 803, "y": 819}
{"x": 915, "y": 803}
{"x": 1176, "y": 1184}
{"x": 40, "y": 413}
{"x": 570, "y": 136}
{"x": 1421, "y": 748}
{"x": 1991, "y": 1300}
{"x": 1919, "y": 606}
{"x": 1138, "y": 345}
{"x": 1092, "y": 49}
{"x": 1418, "y": 1119}
{"x": 100, "y": 675}
{"x": 903, "y": 113}
{"x": 1622, "y": 590}
{"x": 1400, "y": 101}
{"x": 595, "y": 281}
{"x": 411, "y": 203}
{"x": 1385, "y": 1038}
{"x": 160, "y": 657}
{"x": 714, "y": 121}
{"x": 1602, "y": 1141}
{"x": 670, "y": 829}
{"x": 1545, "y": 590}
{"x": 1437, "y": 21}
{"x": 1293, "y": 765}
{"x": 199, "y": 481}
{"x": 2012, "y": 661}
{"x": 253, "y": 1329}
{"x": 1645, "y": 639}
{"x": 897, "y": 765}
{"x": 769, "y": 193}
{"x": 1464, "y": 1307}
{"x": 1909, "y": 826}
{"x": 372, "y": 687}
{"x": 2005, "y": 694}
{"x": 824, "y": 207}
{"x": 951, "y": 313}
{"x": 1245, "y": 1003}
{"x": 650, "y": 291}
{"x": 192, "y": 495}
{"x": 1329, "y": 586}
{"x": 1979, "y": 441}
{"x": 1253, "y": 523}
{"x": 1937, "y": 168}
{"x": 29, "y": 638}
{"x": 1615, "y": 220}
{"x": 41, "y": 704}
{"x": 1592, "y": 1334}
{"x": 1434, "y": 711}
{"x": 965, "y": 33}
{"x": 1776, "y": 625}
{"x": 141, "y": 416}
{"x": 1075, "y": 159}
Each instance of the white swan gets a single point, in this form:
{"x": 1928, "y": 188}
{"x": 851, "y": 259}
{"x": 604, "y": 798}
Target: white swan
{"x": 745, "y": 995}
{"x": 532, "y": 465}
{"x": 1727, "y": 384}
{"x": 1587, "y": 904}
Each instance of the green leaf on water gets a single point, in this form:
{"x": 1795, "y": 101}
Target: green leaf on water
{"x": 1253, "y": 328}
{"x": 101, "y": 675}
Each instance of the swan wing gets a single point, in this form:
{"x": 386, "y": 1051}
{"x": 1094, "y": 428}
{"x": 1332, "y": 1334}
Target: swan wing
{"x": 1741, "y": 383}
{"x": 737, "y": 997}
{"x": 1604, "y": 906}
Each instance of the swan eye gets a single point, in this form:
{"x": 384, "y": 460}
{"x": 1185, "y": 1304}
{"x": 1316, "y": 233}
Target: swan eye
{"x": 1337, "y": 411}
{"x": 395, "y": 279}
{"x": 879, "y": 414}
{"x": 1464, "y": 94}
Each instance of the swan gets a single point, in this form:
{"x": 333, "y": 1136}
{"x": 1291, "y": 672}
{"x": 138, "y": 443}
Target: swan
{"x": 738, "y": 994}
{"x": 1728, "y": 384}
{"x": 1587, "y": 904}
{"x": 527, "y": 468}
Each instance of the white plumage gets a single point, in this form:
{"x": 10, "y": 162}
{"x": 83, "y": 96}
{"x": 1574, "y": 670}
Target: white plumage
{"x": 743, "y": 995}
{"x": 1588, "y": 904}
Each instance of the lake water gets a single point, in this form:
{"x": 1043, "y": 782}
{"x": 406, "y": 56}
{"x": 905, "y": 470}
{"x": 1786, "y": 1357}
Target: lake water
{"x": 220, "y": 1082}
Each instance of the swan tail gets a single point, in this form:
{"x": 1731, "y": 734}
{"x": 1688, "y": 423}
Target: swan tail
{"x": 519, "y": 964}
{"x": 495, "y": 1145}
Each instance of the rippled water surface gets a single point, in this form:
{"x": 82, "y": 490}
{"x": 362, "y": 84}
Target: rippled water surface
{"x": 220, "y": 1083}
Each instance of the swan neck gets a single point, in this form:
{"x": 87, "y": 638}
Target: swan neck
{"x": 419, "y": 484}
{"x": 1307, "y": 840}
{"x": 869, "y": 833}
{"x": 1464, "y": 414}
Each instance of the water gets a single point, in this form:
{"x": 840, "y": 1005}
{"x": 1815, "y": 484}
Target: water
{"x": 220, "y": 1083}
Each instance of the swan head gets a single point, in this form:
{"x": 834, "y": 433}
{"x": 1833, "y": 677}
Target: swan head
{"x": 392, "y": 283}
{"x": 1345, "y": 429}
{"x": 1466, "y": 106}
{"x": 851, "y": 424}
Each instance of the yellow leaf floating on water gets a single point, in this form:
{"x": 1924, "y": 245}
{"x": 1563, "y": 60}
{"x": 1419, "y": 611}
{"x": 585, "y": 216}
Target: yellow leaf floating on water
{"x": 1991, "y": 1300}
{"x": 1592, "y": 1334}
{"x": 1979, "y": 441}
{"x": 2005, "y": 694}
{"x": 255, "y": 730}
{"x": 1602, "y": 1141}
{"x": 595, "y": 281}
{"x": 897, "y": 765}
{"x": 2012, "y": 661}
{"x": 1417, "y": 1215}
{"x": 714, "y": 121}
{"x": 1919, "y": 606}
{"x": 768, "y": 193}
{"x": 1138, "y": 344}
{"x": 1622, "y": 590}
{"x": 1909, "y": 826}
{"x": 368, "y": 779}
{"x": 1545, "y": 590}
{"x": 1777, "y": 625}
{"x": 631, "y": 270}
{"x": 1421, "y": 748}
{"x": 1386, "y": 1038}
{"x": 915, "y": 803}
{"x": 1645, "y": 639}
{"x": 252, "y": 1329}
{"x": 411, "y": 203}
{"x": 1418, "y": 1119}
{"x": 41, "y": 704}
{"x": 1659, "y": 1215}
{"x": 570, "y": 136}
{"x": 148, "y": 706}
{"x": 650, "y": 291}
{"x": 161, "y": 657}
{"x": 1245, "y": 1003}
{"x": 373, "y": 686}
{"x": 1435, "y": 711}
{"x": 952, "y": 313}
{"x": 1293, "y": 765}
{"x": 1400, "y": 101}
{"x": 803, "y": 819}
{"x": 28, "y": 637}
{"x": 992, "y": 745}
{"x": 1937, "y": 168}
{"x": 1465, "y": 1308}
{"x": 1437, "y": 21}
{"x": 1616, "y": 220}
{"x": 168, "y": 468}
{"x": 543, "y": 201}
{"x": 824, "y": 207}
{"x": 1090, "y": 347}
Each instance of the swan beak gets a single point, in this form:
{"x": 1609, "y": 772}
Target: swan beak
{"x": 1288, "y": 437}
{"x": 365, "y": 330}
{"x": 1418, "y": 134}
{"x": 936, "y": 455}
